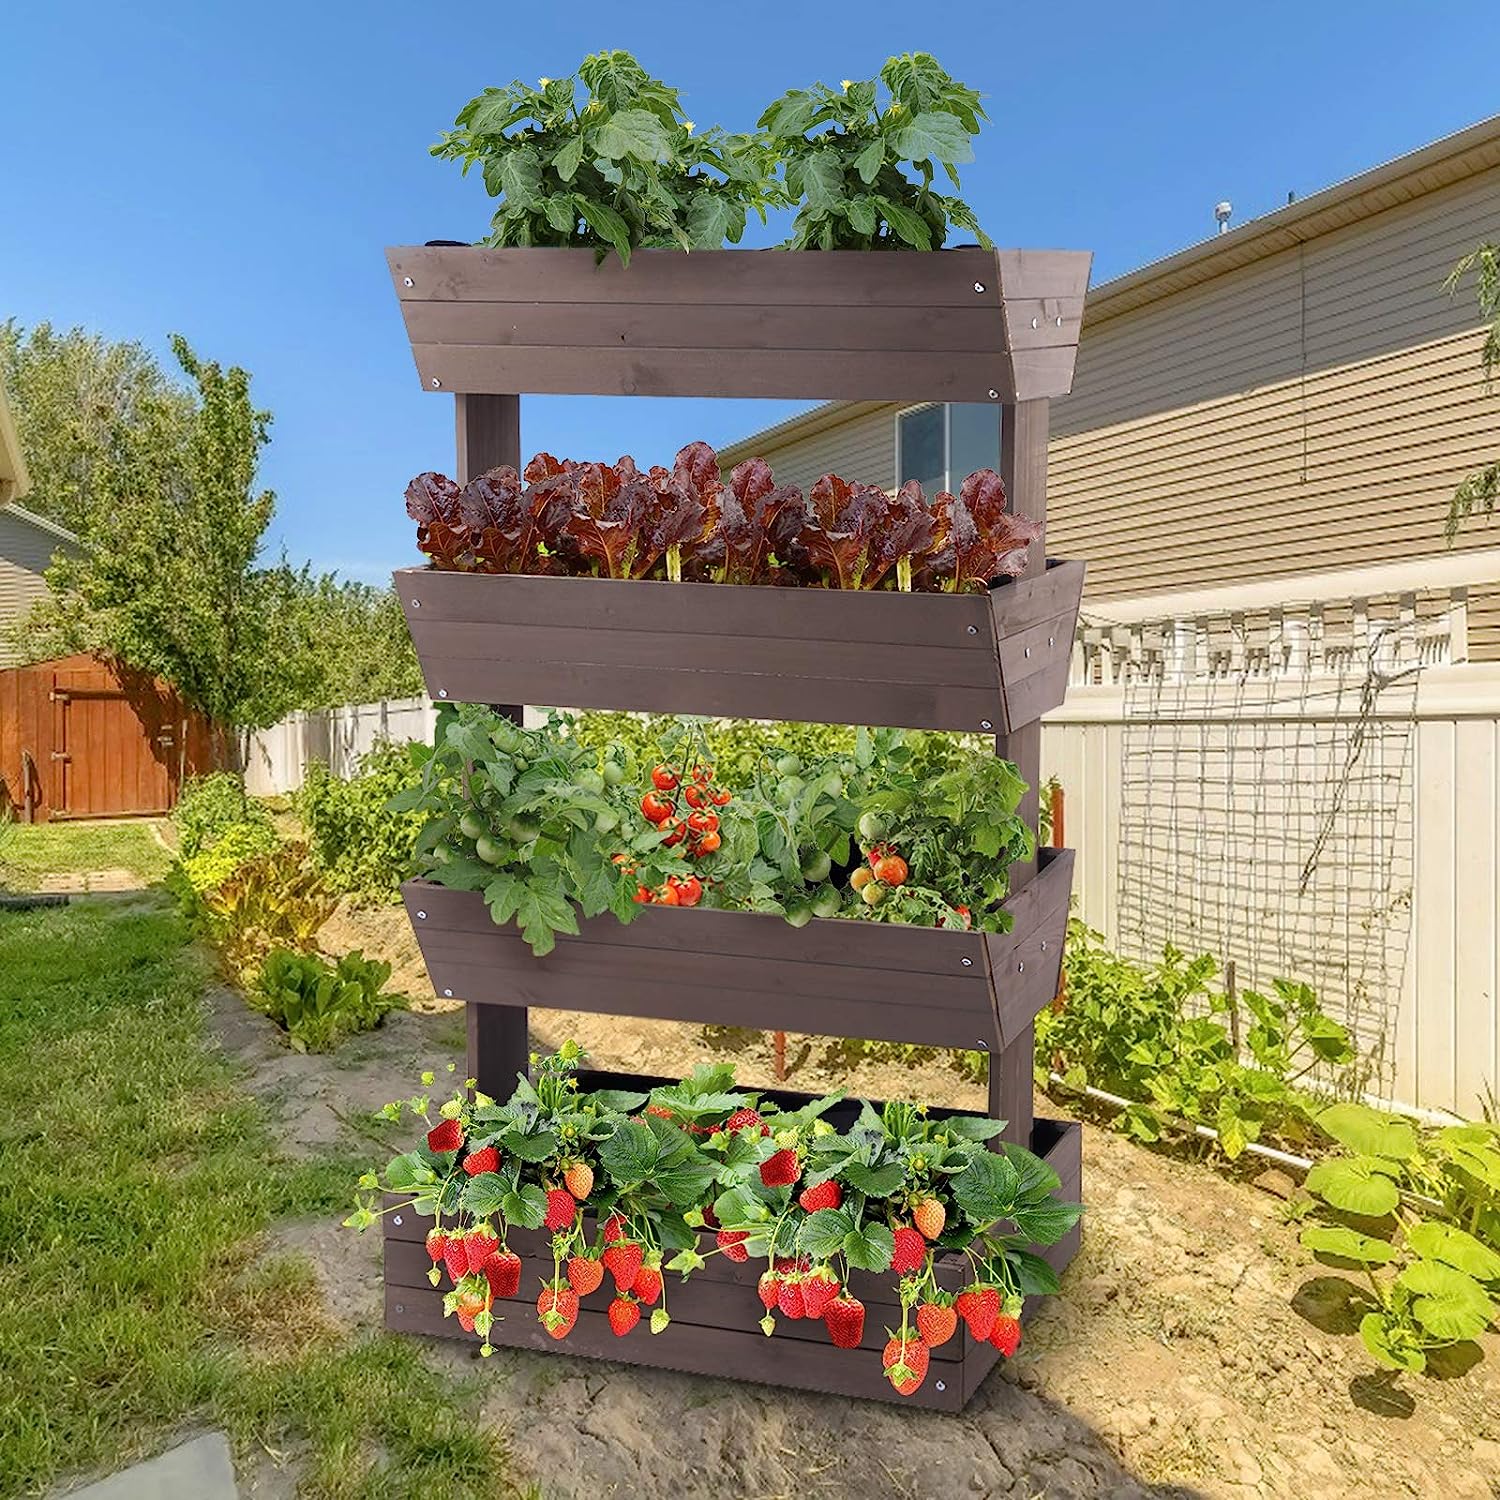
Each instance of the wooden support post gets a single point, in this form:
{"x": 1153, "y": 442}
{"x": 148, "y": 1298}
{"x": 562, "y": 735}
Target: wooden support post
{"x": 488, "y": 433}
{"x": 1023, "y": 467}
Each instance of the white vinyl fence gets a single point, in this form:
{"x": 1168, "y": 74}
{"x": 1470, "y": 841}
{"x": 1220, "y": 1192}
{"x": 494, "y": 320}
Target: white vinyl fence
{"x": 276, "y": 759}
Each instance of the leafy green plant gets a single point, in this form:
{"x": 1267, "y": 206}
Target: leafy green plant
{"x": 276, "y": 900}
{"x": 317, "y": 1003}
{"x": 1419, "y": 1213}
{"x": 1479, "y": 490}
{"x": 620, "y": 167}
{"x": 358, "y": 845}
{"x": 620, "y": 1180}
{"x": 234, "y": 845}
{"x": 212, "y": 804}
{"x": 1164, "y": 1037}
{"x": 862, "y": 170}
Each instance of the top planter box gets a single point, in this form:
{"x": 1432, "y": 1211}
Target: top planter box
{"x": 948, "y": 325}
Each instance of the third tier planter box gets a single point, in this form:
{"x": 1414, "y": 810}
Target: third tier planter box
{"x": 988, "y": 662}
{"x": 834, "y": 977}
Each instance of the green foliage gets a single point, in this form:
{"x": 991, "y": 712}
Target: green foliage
{"x": 359, "y": 846}
{"x": 211, "y": 804}
{"x": 1418, "y": 1212}
{"x": 317, "y": 1003}
{"x": 1479, "y": 491}
{"x": 1162, "y": 1036}
{"x": 621, "y": 167}
{"x": 234, "y": 846}
{"x": 849, "y": 158}
{"x": 545, "y": 826}
{"x": 275, "y": 900}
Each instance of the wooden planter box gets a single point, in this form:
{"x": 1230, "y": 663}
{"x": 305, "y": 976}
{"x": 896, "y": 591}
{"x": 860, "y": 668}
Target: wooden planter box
{"x": 716, "y": 1312}
{"x": 951, "y": 325}
{"x": 988, "y": 662}
{"x": 834, "y": 977}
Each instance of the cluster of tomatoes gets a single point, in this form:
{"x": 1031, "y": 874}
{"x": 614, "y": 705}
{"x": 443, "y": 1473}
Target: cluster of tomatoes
{"x": 698, "y": 830}
{"x": 884, "y": 870}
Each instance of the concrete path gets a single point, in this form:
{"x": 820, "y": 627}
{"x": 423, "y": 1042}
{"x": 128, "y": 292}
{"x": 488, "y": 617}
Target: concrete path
{"x": 196, "y": 1470}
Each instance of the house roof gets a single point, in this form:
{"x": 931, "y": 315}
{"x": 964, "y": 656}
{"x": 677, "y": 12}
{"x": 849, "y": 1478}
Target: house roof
{"x": 1445, "y": 161}
{"x": 30, "y": 518}
{"x": 14, "y": 480}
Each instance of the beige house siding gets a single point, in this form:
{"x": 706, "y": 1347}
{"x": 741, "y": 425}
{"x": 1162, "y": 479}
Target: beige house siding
{"x": 26, "y": 550}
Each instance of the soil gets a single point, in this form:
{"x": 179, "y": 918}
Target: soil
{"x": 1196, "y": 1349}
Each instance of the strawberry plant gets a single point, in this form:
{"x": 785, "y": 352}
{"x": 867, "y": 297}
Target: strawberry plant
{"x": 628, "y": 1187}
{"x": 606, "y": 158}
{"x": 617, "y": 521}
{"x": 1418, "y": 1213}
{"x": 862, "y": 170}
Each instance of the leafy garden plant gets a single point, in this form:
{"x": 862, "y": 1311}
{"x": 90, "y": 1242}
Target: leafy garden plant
{"x": 546, "y": 827}
{"x": 273, "y": 900}
{"x": 584, "y": 1188}
{"x": 1418, "y": 1213}
{"x": 212, "y": 805}
{"x": 862, "y": 167}
{"x": 317, "y": 1003}
{"x": 615, "y": 521}
{"x": 607, "y": 159}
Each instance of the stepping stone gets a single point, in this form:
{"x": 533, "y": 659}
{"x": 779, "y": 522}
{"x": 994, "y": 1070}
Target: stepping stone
{"x": 197, "y": 1470}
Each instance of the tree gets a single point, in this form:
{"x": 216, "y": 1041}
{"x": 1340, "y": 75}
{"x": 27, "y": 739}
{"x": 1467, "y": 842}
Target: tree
{"x": 159, "y": 481}
{"x": 1481, "y": 489}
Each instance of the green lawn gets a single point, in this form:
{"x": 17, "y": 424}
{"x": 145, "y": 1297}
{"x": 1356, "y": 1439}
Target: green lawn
{"x": 28, "y": 851}
{"x": 135, "y": 1176}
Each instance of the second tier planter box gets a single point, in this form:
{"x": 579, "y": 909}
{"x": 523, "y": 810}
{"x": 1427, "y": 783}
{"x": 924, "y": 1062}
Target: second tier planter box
{"x": 987, "y": 662}
{"x": 835, "y": 977}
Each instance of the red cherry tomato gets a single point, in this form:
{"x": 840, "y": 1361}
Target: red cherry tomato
{"x": 666, "y": 895}
{"x": 663, "y": 778}
{"x": 890, "y": 869}
{"x": 642, "y": 896}
{"x": 657, "y": 809}
{"x": 703, "y": 822}
{"x": 703, "y": 774}
{"x": 694, "y": 795}
{"x": 689, "y": 891}
{"x": 720, "y": 795}
{"x": 708, "y": 843}
{"x": 675, "y": 829}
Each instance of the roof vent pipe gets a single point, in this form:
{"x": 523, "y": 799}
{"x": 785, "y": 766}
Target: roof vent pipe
{"x": 1222, "y": 212}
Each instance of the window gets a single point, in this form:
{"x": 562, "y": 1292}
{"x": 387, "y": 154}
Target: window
{"x": 940, "y": 446}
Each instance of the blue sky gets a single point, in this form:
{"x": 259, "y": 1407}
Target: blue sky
{"x": 234, "y": 172}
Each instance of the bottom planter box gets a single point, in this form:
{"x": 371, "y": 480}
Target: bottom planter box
{"x": 715, "y": 1314}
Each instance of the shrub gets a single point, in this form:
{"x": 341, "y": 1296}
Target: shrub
{"x": 274, "y": 900}
{"x": 234, "y": 844}
{"x": 315, "y": 1002}
{"x": 359, "y": 847}
{"x": 211, "y": 805}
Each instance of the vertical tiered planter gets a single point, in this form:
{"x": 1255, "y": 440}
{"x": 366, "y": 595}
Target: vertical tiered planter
{"x": 958, "y": 325}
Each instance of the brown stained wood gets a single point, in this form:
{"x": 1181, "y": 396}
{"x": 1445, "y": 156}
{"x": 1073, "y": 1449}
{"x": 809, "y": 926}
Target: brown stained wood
{"x": 930, "y": 661}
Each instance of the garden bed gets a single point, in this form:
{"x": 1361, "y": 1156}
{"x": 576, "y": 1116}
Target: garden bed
{"x": 992, "y": 662}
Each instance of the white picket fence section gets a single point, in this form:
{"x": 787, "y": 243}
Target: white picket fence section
{"x": 276, "y": 759}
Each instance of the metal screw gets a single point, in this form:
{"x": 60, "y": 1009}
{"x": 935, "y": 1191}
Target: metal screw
{"x": 1036, "y": 322}
{"x": 395, "y": 1218}
{"x": 1044, "y": 945}
{"x": 421, "y": 916}
{"x": 984, "y": 1046}
{"x": 436, "y": 382}
{"x": 442, "y": 692}
{"x": 973, "y": 630}
{"x": 1027, "y": 653}
{"x": 448, "y": 994}
{"x": 941, "y": 1386}
{"x": 978, "y": 286}
{"x": 406, "y": 281}
{"x": 1058, "y": 321}
{"x": 416, "y": 604}
{"x": 400, "y": 1307}
{"x": 985, "y": 724}
{"x": 1051, "y": 640}
{"x": 994, "y": 394}
{"x": 968, "y": 963}
{"x": 1021, "y": 967}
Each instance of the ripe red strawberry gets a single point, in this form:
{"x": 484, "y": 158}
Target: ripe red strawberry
{"x": 845, "y": 1317}
{"x": 557, "y": 1307}
{"x": 826, "y": 1195}
{"x": 767, "y": 1288}
{"x": 623, "y": 1316}
{"x": 446, "y": 1135}
{"x": 1006, "y": 1334}
{"x": 456, "y": 1258}
{"x": 479, "y": 1245}
{"x": 929, "y": 1216}
{"x": 647, "y": 1285}
{"x": 579, "y": 1179}
{"x": 503, "y": 1272}
{"x": 913, "y": 1355}
{"x": 789, "y": 1296}
{"x": 561, "y": 1207}
{"x": 584, "y": 1274}
{"x": 614, "y": 1229}
{"x": 732, "y": 1243}
{"x": 486, "y": 1160}
{"x": 936, "y": 1322}
{"x": 743, "y": 1119}
{"x": 710, "y": 1218}
{"x": 910, "y": 1251}
{"x": 819, "y": 1288}
{"x": 780, "y": 1169}
{"x": 437, "y": 1243}
{"x": 979, "y": 1306}
{"x": 623, "y": 1262}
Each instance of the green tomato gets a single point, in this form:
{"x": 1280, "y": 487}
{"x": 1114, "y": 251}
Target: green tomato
{"x": 472, "y": 826}
{"x": 613, "y": 772}
{"x": 872, "y": 894}
{"x": 799, "y": 914}
{"x": 835, "y": 786}
{"x": 505, "y": 737}
{"x": 443, "y": 854}
{"x": 871, "y": 827}
{"x": 827, "y": 902}
{"x": 491, "y": 851}
{"x": 790, "y": 789}
{"x": 590, "y": 781}
{"x": 788, "y": 765}
{"x": 523, "y": 828}
{"x": 816, "y": 866}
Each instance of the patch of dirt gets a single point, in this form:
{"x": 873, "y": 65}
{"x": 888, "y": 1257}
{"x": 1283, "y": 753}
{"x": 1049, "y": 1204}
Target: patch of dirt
{"x": 1196, "y": 1349}
{"x": 384, "y": 932}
